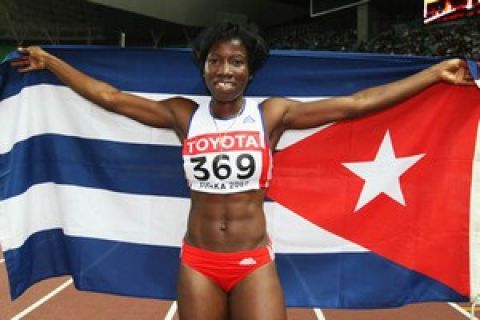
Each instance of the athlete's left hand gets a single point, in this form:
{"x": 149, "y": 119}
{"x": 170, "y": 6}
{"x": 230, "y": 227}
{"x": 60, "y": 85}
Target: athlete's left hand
{"x": 455, "y": 71}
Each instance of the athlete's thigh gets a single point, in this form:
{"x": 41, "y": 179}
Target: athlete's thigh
{"x": 258, "y": 296}
{"x": 198, "y": 297}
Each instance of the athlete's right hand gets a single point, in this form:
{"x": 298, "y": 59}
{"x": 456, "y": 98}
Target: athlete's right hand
{"x": 33, "y": 58}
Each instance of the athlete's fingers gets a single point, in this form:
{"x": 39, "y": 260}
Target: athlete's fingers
{"x": 22, "y": 64}
{"x": 22, "y": 61}
{"x": 23, "y": 50}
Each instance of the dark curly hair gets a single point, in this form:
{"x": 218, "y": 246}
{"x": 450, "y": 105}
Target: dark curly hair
{"x": 257, "y": 50}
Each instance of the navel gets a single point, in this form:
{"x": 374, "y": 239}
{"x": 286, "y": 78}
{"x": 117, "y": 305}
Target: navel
{"x": 223, "y": 226}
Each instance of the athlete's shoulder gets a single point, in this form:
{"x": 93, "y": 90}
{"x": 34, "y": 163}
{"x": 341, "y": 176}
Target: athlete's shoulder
{"x": 275, "y": 102}
{"x": 274, "y": 108}
{"x": 182, "y": 110}
{"x": 182, "y": 102}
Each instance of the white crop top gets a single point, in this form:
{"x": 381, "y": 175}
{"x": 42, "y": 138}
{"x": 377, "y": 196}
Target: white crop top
{"x": 227, "y": 155}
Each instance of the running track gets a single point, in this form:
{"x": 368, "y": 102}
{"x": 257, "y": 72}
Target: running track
{"x": 57, "y": 299}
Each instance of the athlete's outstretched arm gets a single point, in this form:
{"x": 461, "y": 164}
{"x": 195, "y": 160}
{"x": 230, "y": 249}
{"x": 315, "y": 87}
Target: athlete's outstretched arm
{"x": 162, "y": 114}
{"x": 282, "y": 114}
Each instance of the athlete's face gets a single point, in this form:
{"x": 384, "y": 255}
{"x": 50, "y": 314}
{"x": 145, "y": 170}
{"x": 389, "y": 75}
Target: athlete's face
{"x": 226, "y": 70}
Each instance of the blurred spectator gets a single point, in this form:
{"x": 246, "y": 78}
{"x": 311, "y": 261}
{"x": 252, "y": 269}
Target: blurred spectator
{"x": 456, "y": 38}
{"x": 311, "y": 36}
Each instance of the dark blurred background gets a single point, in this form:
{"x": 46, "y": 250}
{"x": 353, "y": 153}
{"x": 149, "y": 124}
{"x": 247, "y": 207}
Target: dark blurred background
{"x": 380, "y": 26}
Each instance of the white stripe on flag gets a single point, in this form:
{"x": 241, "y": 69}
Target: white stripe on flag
{"x": 45, "y": 109}
{"x": 141, "y": 219}
{"x": 55, "y": 109}
{"x": 292, "y": 233}
{"x": 475, "y": 223}
{"x": 477, "y": 82}
{"x": 86, "y": 212}
{"x": 290, "y": 137}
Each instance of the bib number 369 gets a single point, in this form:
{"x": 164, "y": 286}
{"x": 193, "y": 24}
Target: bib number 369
{"x": 221, "y": 167}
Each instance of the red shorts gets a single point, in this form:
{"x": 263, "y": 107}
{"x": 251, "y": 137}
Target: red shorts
{"x": 226, "y": 268}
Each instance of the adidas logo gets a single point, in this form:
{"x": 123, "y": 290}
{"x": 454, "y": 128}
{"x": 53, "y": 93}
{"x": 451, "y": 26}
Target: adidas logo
{"x": 248, "y": 119}
{"x": 247, "y": 262}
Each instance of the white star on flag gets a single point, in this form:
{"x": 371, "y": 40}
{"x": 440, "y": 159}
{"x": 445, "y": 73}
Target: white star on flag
{"x": 382, "y": 175}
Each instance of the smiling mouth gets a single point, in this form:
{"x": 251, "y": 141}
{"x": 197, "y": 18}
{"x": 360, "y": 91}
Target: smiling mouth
{"x": 224, "y": 84}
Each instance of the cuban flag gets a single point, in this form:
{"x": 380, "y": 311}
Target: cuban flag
{"x": 377, "y": 212}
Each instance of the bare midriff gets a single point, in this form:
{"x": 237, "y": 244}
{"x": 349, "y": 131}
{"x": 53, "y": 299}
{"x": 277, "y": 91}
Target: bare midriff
{"x": 227, "y": 222}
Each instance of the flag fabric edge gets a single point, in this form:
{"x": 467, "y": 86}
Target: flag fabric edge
{"x": 475, "y": 223}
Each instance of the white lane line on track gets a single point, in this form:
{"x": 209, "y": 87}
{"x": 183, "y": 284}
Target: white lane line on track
{"x": 171, "y": 312}
{"x": 43, "y": 300}
{"x": 173, "y": 308}
{"x": 319, "y": 314}
{"x": 2, "y": 260}
{"x": 462, "y": 311}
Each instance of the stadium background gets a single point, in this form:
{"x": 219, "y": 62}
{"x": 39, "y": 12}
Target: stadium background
{"x": 381, "y": 26}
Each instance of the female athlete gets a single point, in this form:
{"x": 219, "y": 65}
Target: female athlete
{"x": 227, "y": 268}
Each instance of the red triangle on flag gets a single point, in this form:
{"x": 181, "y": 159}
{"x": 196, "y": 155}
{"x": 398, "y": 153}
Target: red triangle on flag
{"x": 429, "y": 231}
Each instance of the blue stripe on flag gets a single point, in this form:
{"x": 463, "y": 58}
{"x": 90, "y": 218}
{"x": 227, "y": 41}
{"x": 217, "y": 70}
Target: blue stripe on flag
{"x": 473, "y": 67}
{"x": 352, "y": 280}
{"x": 96, "y": 265}
{"x": 115, "y": 166}
{"x": 355, "y": 280}
{"x": 286, "y": 74}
